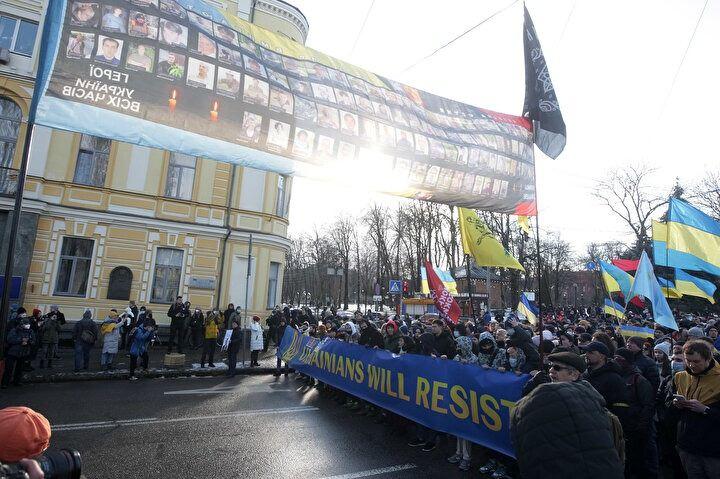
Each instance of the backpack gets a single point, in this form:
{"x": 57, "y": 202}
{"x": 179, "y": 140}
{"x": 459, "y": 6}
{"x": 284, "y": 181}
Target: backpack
{"x": 618, "y": 436}
{"x": 87, "y": 336}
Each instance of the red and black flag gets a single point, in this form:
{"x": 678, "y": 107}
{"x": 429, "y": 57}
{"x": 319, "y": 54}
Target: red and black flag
{"x": 541, "y": 103}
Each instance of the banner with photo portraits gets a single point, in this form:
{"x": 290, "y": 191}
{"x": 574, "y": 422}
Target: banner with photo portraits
{"x": 181, "y": 75}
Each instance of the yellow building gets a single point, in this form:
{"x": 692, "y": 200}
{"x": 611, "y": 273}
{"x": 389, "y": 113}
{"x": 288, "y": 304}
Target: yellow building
{"x": 105, "y": 222}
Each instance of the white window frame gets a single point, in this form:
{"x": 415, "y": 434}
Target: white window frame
{"x": 58, "y": 263}
{"x": 97, "y": 155}
{"x": 272, "y": 291}
{"x": 151, "y": 284}
{"x": 13, "y": 43}
{"x": 280, "y": 206}
{"x": 183, "y": 170}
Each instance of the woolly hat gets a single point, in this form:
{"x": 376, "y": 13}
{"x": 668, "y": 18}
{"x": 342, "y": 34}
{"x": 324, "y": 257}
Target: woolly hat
{"x": 664, "y": 347}
{"x": 25, "y": 433}
{"x": 696, "y": 332}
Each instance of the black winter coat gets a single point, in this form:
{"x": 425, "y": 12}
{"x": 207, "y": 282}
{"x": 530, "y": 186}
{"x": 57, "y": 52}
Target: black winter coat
{"x": 609, "y": 383}
{"x": 445, "y": 345}
{"x": 178, "y": 312}
{"x": 561, "y": 430}
{"x": 371, "y": 337}
{"x": 522, "y": 340}
{"x": 641, "y": 401}
{"x": 648, "y": 369}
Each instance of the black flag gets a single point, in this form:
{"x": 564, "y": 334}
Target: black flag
{"x": 541, "y": 103}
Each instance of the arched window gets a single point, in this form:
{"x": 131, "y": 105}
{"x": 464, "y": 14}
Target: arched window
{"x": 10, "y": 117}
{"x": 120, "y": 283}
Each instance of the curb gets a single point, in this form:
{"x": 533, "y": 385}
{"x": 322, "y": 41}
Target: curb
{"x": 150, "y": 374}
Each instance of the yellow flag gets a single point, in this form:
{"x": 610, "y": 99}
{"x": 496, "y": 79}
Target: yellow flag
{"x": 524, "y": 224}
{"x": 478, "y": 241}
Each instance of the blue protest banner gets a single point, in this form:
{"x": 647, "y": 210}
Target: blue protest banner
{"x": 460, "y": 399}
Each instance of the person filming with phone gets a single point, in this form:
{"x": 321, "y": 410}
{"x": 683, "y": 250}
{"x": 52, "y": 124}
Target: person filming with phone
{"x": 696, "y": 394}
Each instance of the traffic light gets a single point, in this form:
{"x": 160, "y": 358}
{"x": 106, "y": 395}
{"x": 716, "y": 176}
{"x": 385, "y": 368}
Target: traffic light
{"x": 405, "y": 287}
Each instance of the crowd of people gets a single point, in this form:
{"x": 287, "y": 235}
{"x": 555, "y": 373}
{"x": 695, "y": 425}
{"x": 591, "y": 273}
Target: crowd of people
{"x": 625, "y": 406}
{"x": 32, "y": 340}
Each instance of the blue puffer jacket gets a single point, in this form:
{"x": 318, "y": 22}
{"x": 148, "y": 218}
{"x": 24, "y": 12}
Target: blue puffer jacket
{"x": 15, "y": 339}
{"x": 141, "y": 340}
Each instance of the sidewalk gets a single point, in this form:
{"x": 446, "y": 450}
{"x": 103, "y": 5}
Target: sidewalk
{"x": 63, "y": 368}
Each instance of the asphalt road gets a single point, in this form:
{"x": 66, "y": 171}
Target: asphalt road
{"x": 247, "y": 426}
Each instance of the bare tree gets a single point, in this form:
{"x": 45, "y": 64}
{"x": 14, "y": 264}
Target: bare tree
{"x": 627, "y": 193}
{"x": 707, "y": 193}
{"x": 342, "y": 232}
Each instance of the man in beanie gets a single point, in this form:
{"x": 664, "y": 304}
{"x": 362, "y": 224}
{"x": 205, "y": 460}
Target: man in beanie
{"x": 604, "y": 375}
{"x": 637, "y": 416}
{"x": 25, "y": 434}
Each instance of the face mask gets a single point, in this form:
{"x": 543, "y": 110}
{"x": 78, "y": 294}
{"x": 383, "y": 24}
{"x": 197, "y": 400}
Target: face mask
{"x": 678, "y": 366}
{"x": 513, "y": 362}
{"x": 23, "y": 315}
{"x": 456, "y": 334}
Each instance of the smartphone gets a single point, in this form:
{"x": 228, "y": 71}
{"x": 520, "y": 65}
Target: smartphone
{"x": 678, "y": 397}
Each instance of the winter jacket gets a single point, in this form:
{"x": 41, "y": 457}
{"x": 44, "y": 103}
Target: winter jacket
{"x": 445, "y": 345}
{"x": 607, "y": 381}
{"x": 464, "y": 351}
{"x": 178, "y": 312}
{"x": 196, "y": 321}
{"x": 141, "y": 340}
{"x": 15, "y": 339}
{"x": 648, "y": 369}
{"x": 487, "y": 356}
{"x": 502, "y": 360}
{"x": 521, "y": 339}
{"x": 281, "y": 333}
{"x": 211, "y": 326}
{"x": 235, "y": 340}
{"x": 50, "y": 331}
{"x": 257, "y": 342}
{"x": 85, "y": 324}
{"x": 561, "y": 431}
{"x": 392, "y": 342}
{"x": 636, "y": 417}
{"x": 697, "y": 432}
{"x": 110, "y": 330}
{"x": 371, "y": 337}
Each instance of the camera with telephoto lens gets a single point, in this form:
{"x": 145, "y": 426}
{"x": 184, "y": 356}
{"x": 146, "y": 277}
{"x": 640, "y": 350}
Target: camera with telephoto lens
{"x": 60, "y": 464}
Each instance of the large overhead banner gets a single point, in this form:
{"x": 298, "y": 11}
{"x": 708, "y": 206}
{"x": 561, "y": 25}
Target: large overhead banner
{"x": 180, "y": 75}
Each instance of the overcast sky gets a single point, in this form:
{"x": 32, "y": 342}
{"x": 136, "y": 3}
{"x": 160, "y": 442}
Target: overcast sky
{"x": 612, "y": 63}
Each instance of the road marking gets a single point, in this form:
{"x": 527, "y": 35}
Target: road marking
{"x": 265, "y": 388}
{"x": 154, "y": 420}
{"x": 373, "y": 472}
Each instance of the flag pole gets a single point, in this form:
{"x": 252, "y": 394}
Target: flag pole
{"x": 469, "y": 289}
{"x": 12, "y": 241}
{"x": 535, "y": 124}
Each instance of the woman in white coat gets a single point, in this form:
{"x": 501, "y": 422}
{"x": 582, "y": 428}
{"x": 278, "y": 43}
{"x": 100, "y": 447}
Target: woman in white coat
{"x": 256, "y": 341}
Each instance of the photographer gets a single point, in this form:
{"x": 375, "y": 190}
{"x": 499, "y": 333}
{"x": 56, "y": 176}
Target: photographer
{"x": 25, "y": 437}
{"x": 20, "y": 341}
{"x": 178, "y": 314}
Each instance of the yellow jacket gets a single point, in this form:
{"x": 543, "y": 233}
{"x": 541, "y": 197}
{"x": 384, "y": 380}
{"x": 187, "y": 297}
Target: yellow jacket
{"x": 211, "y": 326}
{"x": 705, "y": 387}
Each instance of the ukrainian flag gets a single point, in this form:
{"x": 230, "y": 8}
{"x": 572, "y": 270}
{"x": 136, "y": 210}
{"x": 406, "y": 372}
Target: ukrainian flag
{"x": 615, "y": 279}
{"x": 527, "y": 309}
{"x": 671, "y": 258}
{"x": 669, "y": 289}
{"x": 613, "y": 309}
{"x": 693, "y": 286}
{"x": 444, "y": 276}
{"x": 692, "y": 233}
{"x": 630, "y": 331}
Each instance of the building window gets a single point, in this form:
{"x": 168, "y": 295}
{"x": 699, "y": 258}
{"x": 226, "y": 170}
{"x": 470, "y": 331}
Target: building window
{"x": 120, "y": 283}
{"x": 74, "y": 270}
{"x": 272, "y": 284}
{"x": 10, "y": 117}
{"x": 18, "y": 35}
{"x": 280, "y": 200}
{"x": 92, "y": 161}
{"x": 166, "y": 282}
{"x": 180, "y": 176}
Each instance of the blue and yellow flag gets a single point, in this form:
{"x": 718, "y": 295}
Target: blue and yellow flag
{"x": 694, "y": 286}
{"x": 444, "y": 276}
{"x": 615, "y": 279}
{"x": 528, "y": 309}
{"x": 613, "y": 309}
{"x": 646, "y": 284}
{"x": 639, "y": 331}
{"x": 668, "y": 289}
{"x": 692, "y": 232}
